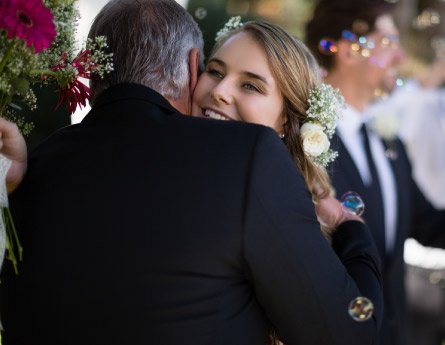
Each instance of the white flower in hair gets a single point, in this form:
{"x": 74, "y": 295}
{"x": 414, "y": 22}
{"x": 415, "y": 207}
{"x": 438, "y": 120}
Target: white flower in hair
{"x": 232, "y": 24}
{"x": 325, "y": 107}
{"x": 315, "y": 141}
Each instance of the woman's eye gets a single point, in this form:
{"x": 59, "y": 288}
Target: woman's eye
{"x": 215, "y": 73}
{"x": 251, "y": 87}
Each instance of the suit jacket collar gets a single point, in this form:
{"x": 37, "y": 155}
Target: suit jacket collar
{"x": 122, "y": 91}
{"x": 344, "y": 160}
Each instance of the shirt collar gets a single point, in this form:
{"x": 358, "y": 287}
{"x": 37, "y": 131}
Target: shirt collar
{"x": 352, "y": 120}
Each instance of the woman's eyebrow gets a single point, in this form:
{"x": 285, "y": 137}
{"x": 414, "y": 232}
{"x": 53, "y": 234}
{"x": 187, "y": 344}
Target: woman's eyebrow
{"x": 247, "y": 73}
{"x": 255, "y": 76}
{"x": 218, "y": 61}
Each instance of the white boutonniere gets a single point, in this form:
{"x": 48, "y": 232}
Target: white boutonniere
{"x": 386, "y": 125}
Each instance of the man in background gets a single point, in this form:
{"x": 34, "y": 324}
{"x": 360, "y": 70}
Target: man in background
{"x": 356, "y": 42}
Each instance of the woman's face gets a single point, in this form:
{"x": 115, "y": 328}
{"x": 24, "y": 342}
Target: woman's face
{"x": 238, "y": 85}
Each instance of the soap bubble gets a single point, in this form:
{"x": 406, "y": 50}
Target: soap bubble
{"x": 361, "y": 309}
{"x": 200, "y": 13}
{"x": 352, "y": 203}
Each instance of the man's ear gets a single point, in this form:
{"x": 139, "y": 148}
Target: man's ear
{"x": 194, "y": 69}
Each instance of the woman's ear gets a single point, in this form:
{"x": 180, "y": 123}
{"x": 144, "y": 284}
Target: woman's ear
{"x": 283, "y": 124}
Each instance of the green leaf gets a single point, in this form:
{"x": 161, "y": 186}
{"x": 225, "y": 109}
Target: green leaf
{"x": 21, "y": 85}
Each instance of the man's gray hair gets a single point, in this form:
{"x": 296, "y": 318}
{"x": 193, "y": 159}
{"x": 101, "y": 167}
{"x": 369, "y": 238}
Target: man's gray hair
{"x": 151, "y": 41}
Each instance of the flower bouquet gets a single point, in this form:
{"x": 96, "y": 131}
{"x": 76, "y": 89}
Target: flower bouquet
{"x": 37, "y": 46}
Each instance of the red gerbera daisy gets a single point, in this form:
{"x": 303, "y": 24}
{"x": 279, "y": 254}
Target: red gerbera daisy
{"x": 28, "y": 20}
{"x": 74, "y": 94}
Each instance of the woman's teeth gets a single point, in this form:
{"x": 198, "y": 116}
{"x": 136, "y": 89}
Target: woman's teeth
{"x": 213, "y": 115}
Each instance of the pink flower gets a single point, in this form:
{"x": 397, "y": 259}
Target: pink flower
{"x": 28, "y": 20}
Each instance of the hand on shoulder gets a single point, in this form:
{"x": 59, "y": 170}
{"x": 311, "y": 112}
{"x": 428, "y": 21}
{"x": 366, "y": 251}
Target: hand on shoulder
{"x": 330, "y": 213}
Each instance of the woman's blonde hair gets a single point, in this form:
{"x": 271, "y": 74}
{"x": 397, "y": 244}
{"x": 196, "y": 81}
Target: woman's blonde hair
{"x": 296, "y": 72}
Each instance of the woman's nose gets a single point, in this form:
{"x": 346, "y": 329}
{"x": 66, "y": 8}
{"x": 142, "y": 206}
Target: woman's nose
{"x": 222, "y": 93}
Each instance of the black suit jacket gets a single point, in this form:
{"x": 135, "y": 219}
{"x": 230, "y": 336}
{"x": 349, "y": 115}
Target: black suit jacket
{"x": 144, "y": 226}
{"x": 416, "y": 218}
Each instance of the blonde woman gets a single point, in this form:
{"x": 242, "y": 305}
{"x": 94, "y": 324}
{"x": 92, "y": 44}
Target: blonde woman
{"x": 259, "y": 73}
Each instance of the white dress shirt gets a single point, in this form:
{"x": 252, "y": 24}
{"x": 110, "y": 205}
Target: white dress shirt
{"x": 349, "y": 131}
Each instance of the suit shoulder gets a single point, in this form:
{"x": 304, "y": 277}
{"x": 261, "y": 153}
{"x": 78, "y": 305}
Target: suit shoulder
{"x": 235, "y": 129}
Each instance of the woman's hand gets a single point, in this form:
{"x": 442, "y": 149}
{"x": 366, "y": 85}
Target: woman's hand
{"x": 13, "y": 146}
{"x": 331, "y": 213}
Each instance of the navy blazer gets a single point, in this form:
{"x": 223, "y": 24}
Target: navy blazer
{"x": 144, "y": 226}
{"x": 416, "y": 218}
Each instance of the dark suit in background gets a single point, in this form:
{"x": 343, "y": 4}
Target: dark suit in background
{"x": 416, "y": 218}
{"x": 144, "y": 226}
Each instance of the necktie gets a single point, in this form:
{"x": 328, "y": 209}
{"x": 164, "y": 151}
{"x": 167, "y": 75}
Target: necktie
{"x": 374, "y": 202}
{"x": 375, "y": 184}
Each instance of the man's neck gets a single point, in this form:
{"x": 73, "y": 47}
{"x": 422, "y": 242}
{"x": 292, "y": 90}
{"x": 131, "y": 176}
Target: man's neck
{"x": 182, "y": 104}
{"x": 354, "y": 93}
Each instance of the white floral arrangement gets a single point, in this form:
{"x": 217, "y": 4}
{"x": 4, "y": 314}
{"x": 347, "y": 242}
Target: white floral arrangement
{"x": 386, "y": 125}
{"x": 232, "y": 24}
{"x": 325, "y": 107}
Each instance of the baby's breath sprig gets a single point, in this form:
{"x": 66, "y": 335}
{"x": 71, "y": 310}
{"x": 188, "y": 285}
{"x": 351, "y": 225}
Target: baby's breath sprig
{"x": 232, "y": 24}
{"x": 325, "y": 106}
{"x": 100, "y": 61}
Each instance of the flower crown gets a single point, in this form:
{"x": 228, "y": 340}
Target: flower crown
{"x": 232, "y": 24}
{"x": 325, "y": 106}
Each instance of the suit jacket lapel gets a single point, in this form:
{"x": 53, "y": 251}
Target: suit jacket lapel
{"x": 345, "y": 177}
{"x": 344, "y": 164}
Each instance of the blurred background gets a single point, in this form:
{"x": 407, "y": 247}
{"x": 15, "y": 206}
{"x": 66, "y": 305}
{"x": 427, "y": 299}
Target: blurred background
{"x": 421, "y": 23}
{"x": 422, "y": 30}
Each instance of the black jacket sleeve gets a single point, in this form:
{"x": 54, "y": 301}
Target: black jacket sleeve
{"x": 304, "y": 284}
